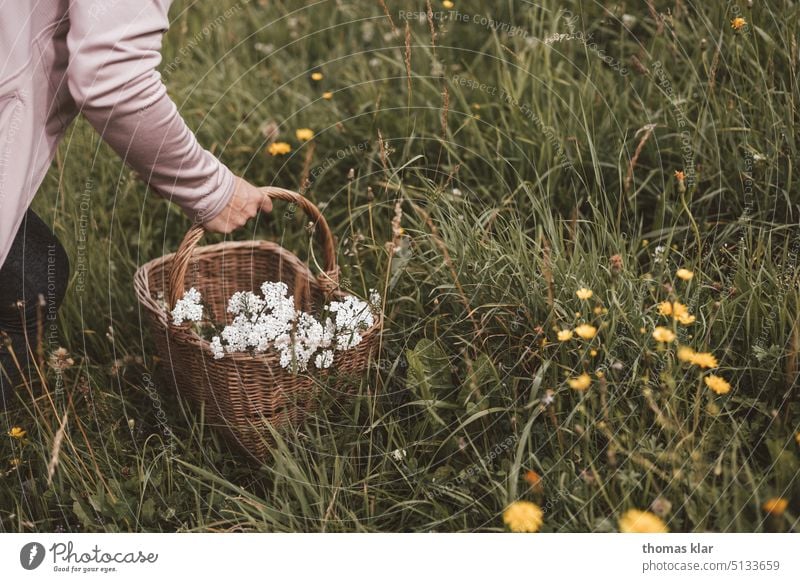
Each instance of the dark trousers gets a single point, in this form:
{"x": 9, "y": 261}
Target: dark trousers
{"x": 33, "y": 280}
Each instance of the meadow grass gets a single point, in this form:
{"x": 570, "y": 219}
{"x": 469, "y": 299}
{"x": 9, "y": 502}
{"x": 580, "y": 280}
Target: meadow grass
{"x": 496, "y": 171}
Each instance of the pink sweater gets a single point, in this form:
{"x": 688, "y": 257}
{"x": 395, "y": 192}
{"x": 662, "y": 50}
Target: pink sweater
{"x": 59, "y": 58}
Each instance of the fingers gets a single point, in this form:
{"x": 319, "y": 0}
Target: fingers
{"x": 266, "y": 203}
{"x": 246, "y": 203}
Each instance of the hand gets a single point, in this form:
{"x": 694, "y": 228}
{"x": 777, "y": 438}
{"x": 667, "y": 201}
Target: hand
{"x": 246, "y": 202}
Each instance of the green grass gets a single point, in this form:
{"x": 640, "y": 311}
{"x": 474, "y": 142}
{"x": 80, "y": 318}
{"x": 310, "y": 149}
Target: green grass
{"x": 512, "y": 196}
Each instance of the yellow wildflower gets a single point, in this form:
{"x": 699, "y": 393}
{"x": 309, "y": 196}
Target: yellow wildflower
{"x": 523, "y": 517}
{"x": 327, "y": 95}
{"x": 738, "y": 23}
{"x": 684, "y": 274}
{"x": 15, "y": 462}
{"x": 663, "y": 334}
{"x": 593, "y": 353}
{"x": 665, "y": 308}
{"x": 797, "y": 438}
{"x": 584, "y": 293}
{"x": 586, "y": 331}
{"x": 581, "y": 382}
{"x": 565, "y": 335}
{"x": 17, "y": 432}
{"x": 317, "y": 76}
{"x": 304, "y": 134}
{"x": 636, "y": 521}
{"x": 679, "y": 309}
{"x": 686, "y": 319}
{"x": 775, "y": 506}
{"x": 717, "y": 384}
{"x": 279, "y": 148}
{"x": 704, "y": 360}
{"x": 448, "y": 4}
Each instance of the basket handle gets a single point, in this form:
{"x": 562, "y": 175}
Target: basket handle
{"x": 328, "y": 280}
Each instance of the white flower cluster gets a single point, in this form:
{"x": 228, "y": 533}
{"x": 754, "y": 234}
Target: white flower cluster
{"x": 270, "y": 321}
{"x": 188, "y": 308}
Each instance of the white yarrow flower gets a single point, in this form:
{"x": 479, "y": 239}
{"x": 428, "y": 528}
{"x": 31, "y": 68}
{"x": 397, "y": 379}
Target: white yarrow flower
{"x": 399, "y": 454}
{"x": 188, "y": 307}
{"x": 324, "y": 359}
{"x": 271, "y": 322}
{"x": 216, "y": 348}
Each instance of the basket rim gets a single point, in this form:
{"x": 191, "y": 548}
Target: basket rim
{"x": 185, "y": 332}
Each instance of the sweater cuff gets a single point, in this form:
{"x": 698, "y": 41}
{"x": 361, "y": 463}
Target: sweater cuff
{"x": 217, "y": 199}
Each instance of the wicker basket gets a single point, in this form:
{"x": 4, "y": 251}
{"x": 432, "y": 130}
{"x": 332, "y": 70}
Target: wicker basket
{"x": 244, "y": 394}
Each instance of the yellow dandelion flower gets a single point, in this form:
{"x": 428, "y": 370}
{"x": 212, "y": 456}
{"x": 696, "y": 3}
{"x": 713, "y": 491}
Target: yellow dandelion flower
{"x": 663, "y": 334}
{"x": 717, "y": 384}
{"x": 665, "y": 308}
{"x": 704, "y": 360}
{"x": 599, "y": 374}
{"x": 523, "y": 517}
{"x": 679, "y": 309}
{"x": 775, "y": 506}
{"x": 686, "y": 319}
{"x": 738, "y": 23}
{"x": 327, "y": 95}
{"x": 565, "y": 335}
{"x": 684, "y": 274}
{"x": 278, "y": 148}
{"x": 304, "y": 134}
{"x": 317, "y": 76}
{"x": 642, "y": 330}
{"x": 15, "y": 462}
{"x": 598, "y": 310}
{"x": 581, "y": 382}
{"x": 586, "y": 331}
{"x": 448, "y": 4}
{"x": 636, "y": 521}
{"x": 17, "y": 432}
{"x": 593, "y": 353}
{"x": 584, "y": 293}
{"x": 686, "y": 354}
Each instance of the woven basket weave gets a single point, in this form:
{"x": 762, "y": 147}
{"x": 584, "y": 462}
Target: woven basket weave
{"x": 244, "y": 394}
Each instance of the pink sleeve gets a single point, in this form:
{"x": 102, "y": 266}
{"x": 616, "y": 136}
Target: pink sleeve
{"x": 114, "y": 49}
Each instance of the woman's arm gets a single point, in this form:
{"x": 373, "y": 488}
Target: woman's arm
{"x": 115, "y": 47}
